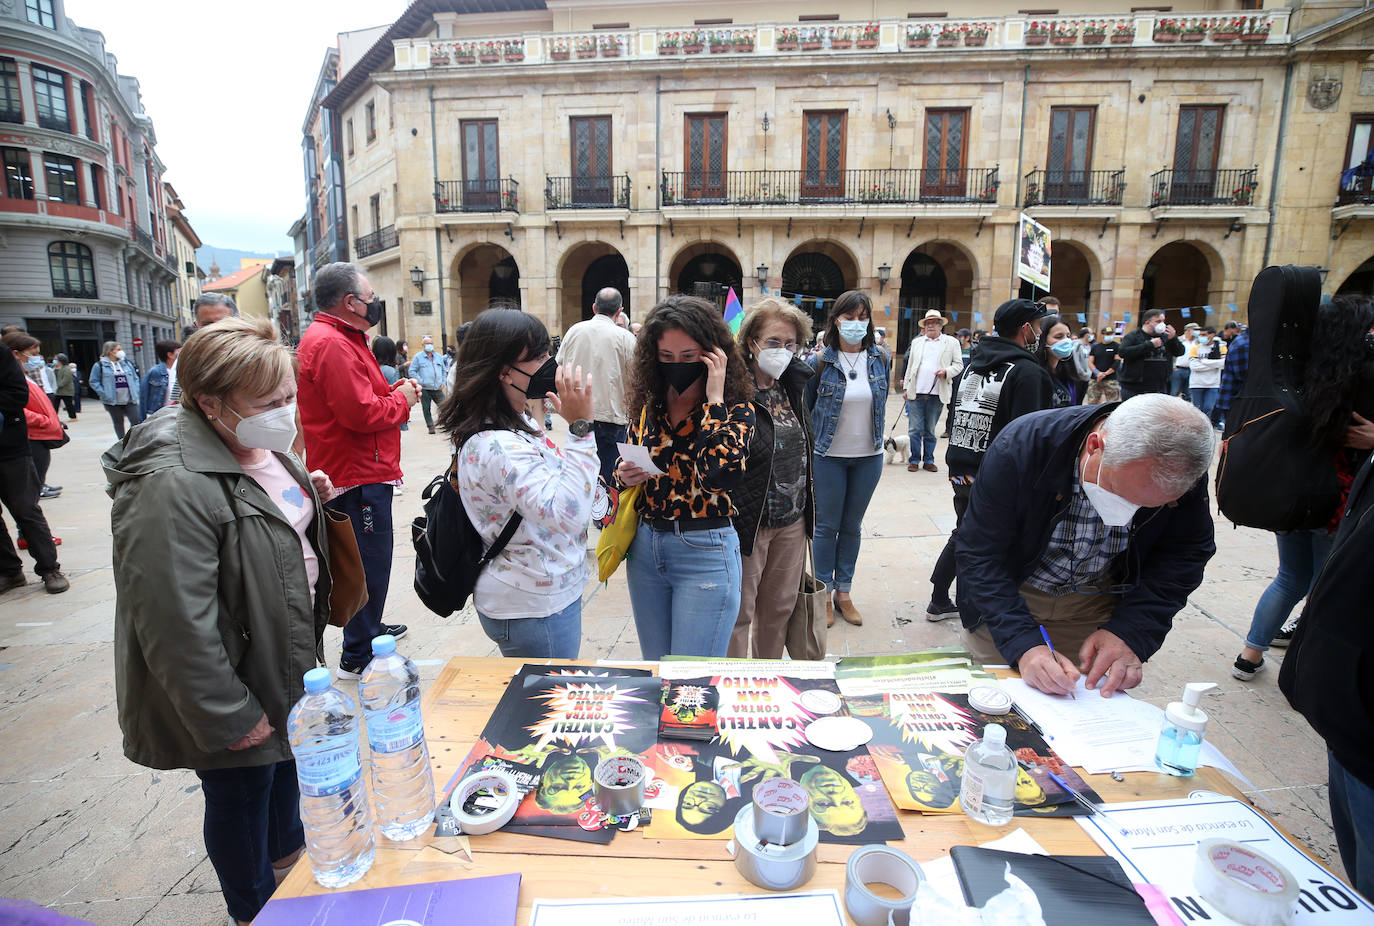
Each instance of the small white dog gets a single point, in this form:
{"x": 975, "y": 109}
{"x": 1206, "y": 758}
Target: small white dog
{"x": 898, "y": 447}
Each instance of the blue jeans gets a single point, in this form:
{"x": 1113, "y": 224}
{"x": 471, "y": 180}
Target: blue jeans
{"x": 684, "y": 590}
{"x": 369, "y": 508}
{"x": 1301, "y": 555}
{"x": 922, "y": 418}
{"x": 558, "y": 636}
{"x": 1352, "y": 819}
{"x": 1178, "y": 382}
{"x": 844, "y": 486}
{"x": 252, "y": 819}
{"x": 607, "y": 436}
{"x": 1205, "y": 398}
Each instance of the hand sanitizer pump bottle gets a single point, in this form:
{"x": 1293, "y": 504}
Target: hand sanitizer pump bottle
{"x": 1185, "y": 724}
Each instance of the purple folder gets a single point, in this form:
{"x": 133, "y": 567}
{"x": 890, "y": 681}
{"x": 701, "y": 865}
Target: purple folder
{"x": 468, "y": 901}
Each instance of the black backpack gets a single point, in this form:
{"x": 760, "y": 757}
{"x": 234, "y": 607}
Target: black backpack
{"x": 448, "y": 549}
{"x": 1273, "y": 474}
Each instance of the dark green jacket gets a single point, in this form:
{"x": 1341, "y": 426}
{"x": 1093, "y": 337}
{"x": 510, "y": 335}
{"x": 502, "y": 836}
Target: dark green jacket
{"x": 213, "y": 623}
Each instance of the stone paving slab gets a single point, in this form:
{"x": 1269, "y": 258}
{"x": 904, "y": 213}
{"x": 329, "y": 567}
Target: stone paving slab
{"x": 100, "y": 838}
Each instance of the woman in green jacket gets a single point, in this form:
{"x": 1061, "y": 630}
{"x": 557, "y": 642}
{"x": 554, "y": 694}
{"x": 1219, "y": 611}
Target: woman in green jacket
{"x": 66, "y": 385}
{"x": 223, "y": 596}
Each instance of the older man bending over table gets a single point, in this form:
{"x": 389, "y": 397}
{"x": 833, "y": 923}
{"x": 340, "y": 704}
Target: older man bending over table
{"x": 1093, "y": 523}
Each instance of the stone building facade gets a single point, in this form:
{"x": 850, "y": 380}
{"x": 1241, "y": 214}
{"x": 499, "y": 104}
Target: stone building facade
{"x": 531, "y": 156}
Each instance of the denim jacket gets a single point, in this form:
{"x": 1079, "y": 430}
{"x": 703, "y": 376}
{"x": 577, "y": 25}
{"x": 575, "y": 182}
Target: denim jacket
{"x": 431, "y": 369}
{"x": 825, "y": 395}
{"x": 154, "y": 393}
{"x": 102, "y": 380}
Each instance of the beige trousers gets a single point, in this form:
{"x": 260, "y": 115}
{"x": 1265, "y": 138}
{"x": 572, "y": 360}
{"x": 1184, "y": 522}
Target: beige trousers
{"x": 769, "y": 583}
{"x": 1069, "y": 620}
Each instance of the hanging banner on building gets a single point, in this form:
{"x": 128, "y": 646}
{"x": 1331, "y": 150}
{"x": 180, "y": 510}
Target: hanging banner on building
{"x": 1033, "y": 253}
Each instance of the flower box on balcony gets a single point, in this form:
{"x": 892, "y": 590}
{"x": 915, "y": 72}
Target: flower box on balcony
{"x": 1094, "y": 38}
{"x": 946, "y": 41}
{"x": 720, "y": 48}
{"x": 667, "y": 49}
{"x": 1225, "y": 36}
{"x": 1123, "y": 38}
{"x": 559, "y": 54}
{"x": 472, "y": 59}
{"x": 867, "y": 43}
{"x": 1253, "y": 36}
{"x": 1194, "y": 36}
{"x": 1037, "y": 38}
{"x": 786, "y": 46}
{"x": 610, "y": 51}
{"x": 489, "y": 57}
{"x": 917, "y": 41}
{"x": 438, "y": 59}
{"x": 810, "y": 46}
{"x": 841, "y": 44}
{"x": 586, "y": 53}
{"x": 515, "y": 56}
{"x": 692, "y": 49}
{"x": 745, "y": 48}
{"x": 1166, "y": 36}
{"x": 973, "y": 40}
{"x": 1063, "y": 39}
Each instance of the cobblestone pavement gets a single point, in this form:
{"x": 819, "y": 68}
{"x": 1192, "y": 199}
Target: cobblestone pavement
{"x": 95, "y": 836}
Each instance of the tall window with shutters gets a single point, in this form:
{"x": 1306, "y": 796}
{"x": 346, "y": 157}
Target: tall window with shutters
{"x": 946, "y": 152}
{"x": 705, "y": 157}
{"x": 1068, "y": 175}
{"x": 481, "y": 165}
{"x": 591, "y": 161}
{"x": 1196, "y": 150}
{"x": 823, "y": 155}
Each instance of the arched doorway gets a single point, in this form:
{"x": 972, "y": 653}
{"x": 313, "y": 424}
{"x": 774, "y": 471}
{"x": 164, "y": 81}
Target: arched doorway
{"x": 1359, "y": 283}
{"x": 1177, "y": 279}
{"x": 923, "y": 289}
{"x": 1071, "y": 281}
{"x": 587, "y": 268}
{"x": 485, "y": 276}
{"x": 818, "y": 272}
{"x": 708, "y": 270}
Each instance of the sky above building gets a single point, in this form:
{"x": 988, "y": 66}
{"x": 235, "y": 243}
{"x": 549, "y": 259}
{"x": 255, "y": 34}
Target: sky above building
{"x": 227, "y": 89}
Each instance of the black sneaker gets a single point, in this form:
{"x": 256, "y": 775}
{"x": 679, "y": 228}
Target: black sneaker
{"x": 1245, "y": 670}
{"x": 349, "y": 670}
{"x": 1283, "y": 637}
{"x": 940, "y": 610}
{"x": 396, "y": 630}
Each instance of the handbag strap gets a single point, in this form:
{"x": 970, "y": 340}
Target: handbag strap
{"x": 507, "y": 533}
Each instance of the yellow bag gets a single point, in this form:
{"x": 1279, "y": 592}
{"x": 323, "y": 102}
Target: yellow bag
{"x": 619, "y": 533}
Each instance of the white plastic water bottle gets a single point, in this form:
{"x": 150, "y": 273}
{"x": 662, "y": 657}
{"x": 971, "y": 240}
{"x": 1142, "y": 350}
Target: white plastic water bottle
{"x": 323, "y": 727}
{"x": 402, "y": 784}
{"x": 989, "y": 785}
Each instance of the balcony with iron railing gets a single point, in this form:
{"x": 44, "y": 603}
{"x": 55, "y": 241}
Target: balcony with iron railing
{"x": 489, "y": 195}
{"x": 1074, "y": 187}
{"x": 1357, "y": 186}
{"x": 379, "y": 240}
{"x": 323, "y": 253}
{"x": 604, "y": 191}
{"x": 803, "y": 187}
{"x": 1174, "y": 187}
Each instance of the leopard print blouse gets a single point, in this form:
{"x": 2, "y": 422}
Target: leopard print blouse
{"x": 702, "y": 459}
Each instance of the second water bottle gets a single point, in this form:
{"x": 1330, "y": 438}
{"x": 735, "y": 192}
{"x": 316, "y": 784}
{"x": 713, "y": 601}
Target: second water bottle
{"x": 402, "y": 784}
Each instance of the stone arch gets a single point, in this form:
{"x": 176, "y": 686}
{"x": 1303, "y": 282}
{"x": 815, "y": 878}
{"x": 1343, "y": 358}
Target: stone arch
{"x": 706, "y": 262}
{"x": 1359, "y": 282}
{"x": 1182, "y": 277}
{"x": 957, "y": 266}
{"x": 818, "y": 270}
{"x": 1075, "y": 280}
{"x": 483, "y": 275}
{"x": 585, "y": 268}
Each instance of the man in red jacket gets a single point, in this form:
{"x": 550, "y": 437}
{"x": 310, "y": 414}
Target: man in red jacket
{"x": 352, "y": 422}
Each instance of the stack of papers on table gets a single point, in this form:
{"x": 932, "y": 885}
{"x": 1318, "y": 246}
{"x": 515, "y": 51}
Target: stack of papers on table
{"x": 1116, "y": 734}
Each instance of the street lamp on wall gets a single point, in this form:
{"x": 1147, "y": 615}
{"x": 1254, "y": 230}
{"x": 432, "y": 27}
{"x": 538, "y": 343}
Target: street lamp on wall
{"x": 762, "y": 273}
{"x": 417, "y": 276}
{"x": 884, "y": 274}
{"x": 765, "y": 138}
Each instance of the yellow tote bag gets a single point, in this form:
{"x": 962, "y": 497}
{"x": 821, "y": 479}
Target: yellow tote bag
{"x": 616, "y": 536}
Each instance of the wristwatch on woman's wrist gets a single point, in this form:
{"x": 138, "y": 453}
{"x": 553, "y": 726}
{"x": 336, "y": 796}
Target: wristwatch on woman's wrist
{"x": 580, "y": 428}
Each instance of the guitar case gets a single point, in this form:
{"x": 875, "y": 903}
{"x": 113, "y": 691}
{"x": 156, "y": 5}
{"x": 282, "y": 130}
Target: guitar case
{"x": 1273, "y": 474}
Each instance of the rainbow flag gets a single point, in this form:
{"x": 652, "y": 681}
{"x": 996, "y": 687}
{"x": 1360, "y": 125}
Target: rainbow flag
{"x": 734, "y": 312}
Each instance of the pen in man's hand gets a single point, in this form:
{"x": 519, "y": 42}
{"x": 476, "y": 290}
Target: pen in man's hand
{"x": 1044, "y": 635}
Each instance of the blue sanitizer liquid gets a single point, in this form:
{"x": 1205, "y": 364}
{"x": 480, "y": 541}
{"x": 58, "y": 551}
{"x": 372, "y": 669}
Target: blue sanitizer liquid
{"x": 1177, "y": 751}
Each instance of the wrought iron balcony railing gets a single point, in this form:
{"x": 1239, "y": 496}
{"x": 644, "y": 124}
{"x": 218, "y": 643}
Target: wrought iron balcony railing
{"x": 379, "y": 240}
{"x": 1357, "y": 187}
{"x": 143, "y": 238}
{"x": 1075, "y": 187}
{"x": 605, "y": 191}
{"x": 791, "y": 187}
{"x": 1174, "y": 187}
{"x": 324, "y": 253}
{"x": 489, "y": 195}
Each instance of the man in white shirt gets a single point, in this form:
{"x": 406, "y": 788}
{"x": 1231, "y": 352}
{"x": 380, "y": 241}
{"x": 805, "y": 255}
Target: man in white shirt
{"x": 600, "y": 345}
{"x": 933, "y": 360}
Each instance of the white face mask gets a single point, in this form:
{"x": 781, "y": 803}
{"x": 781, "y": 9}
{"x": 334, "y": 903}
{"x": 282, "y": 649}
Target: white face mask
{"x": 1160, "y": 328}
{"x": 429, "y": 348}
{"x": 1114, "y": 510}
{"x": 271, "y": 430}
{"x": 119, "y": 355}
{"x": 774, "y": 360}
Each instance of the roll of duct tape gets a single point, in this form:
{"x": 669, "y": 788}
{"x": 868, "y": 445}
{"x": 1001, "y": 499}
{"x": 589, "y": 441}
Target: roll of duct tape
{"x": 774, "y": 867}
{"x": 880, "y": 865}
{"x": 484, "y": 801}
{"x": 620, "y": 782}
{"x": 1245, "y": 885}
{"x": 781, "y": 811}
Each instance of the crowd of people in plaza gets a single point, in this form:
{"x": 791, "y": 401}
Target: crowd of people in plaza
{"x": 1077, "y": 462}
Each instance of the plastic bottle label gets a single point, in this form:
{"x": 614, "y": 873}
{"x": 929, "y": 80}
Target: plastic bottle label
{"x": 330, "y": 770}
{"x": 395, "y": 729}
{"x": 971, "y": 796}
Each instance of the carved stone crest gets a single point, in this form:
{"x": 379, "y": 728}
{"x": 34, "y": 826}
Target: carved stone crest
{"x": 1323, "y": 91}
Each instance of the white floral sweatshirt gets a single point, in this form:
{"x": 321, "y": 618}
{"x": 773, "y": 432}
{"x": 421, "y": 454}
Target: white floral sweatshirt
{"x": 544, "y": 567}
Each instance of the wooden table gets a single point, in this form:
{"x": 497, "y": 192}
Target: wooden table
{"x": 457, "y": 707}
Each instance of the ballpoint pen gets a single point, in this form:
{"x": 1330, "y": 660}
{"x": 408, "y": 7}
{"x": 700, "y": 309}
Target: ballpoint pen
{"x": 1081, "y": 799}
{"x": 1044, "y": 635}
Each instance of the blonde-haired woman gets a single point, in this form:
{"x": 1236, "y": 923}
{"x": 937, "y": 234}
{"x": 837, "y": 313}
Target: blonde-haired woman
{"x": 775, "y": 509}
{"x": 219, "y": 546}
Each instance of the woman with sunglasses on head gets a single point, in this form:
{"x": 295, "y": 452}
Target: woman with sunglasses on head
{"x": 529, "y": 597}
{"x": 690, "y": 406}
{"x": 776, "y": 510}
{"x": 848, "y": 401}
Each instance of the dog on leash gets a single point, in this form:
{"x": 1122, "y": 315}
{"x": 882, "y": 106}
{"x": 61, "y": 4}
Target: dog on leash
{"x": 898, "y": 447}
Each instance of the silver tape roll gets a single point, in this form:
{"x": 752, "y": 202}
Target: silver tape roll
{"x": 781, "y": 811}
{"x": 880, "y": 865}
{"x": 1245, "y": 885}
{"x": 620, "y": 782}
{"x": 502, "y": 795}
{"x": 774, "y": 867}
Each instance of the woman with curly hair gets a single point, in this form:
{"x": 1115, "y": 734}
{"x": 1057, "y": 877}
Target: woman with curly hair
{"x": 1338, "y": 396}
{"x": 690, "y": 404}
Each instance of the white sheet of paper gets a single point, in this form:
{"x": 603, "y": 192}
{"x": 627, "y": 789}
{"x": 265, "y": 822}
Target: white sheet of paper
{"x": 638, "y": 454}
{"x": 941, "y": 874}
{"x": 787, "y": 668}
{"x": 814, "y": 908}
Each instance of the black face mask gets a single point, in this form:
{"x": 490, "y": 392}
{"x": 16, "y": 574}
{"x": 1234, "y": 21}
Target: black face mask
{"x": 681, "y": 376}
{"x": 541, "y": 380}
{"x": 374, "y": 309}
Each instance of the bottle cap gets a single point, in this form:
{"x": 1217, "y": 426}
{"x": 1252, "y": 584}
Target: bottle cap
{"x": 989, "y": 699}
{"x": 1186, "y": 713}
{"x": 383, "y": 645}
{"x": 994, "y": 734}
{"x": 317, "y": 680}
